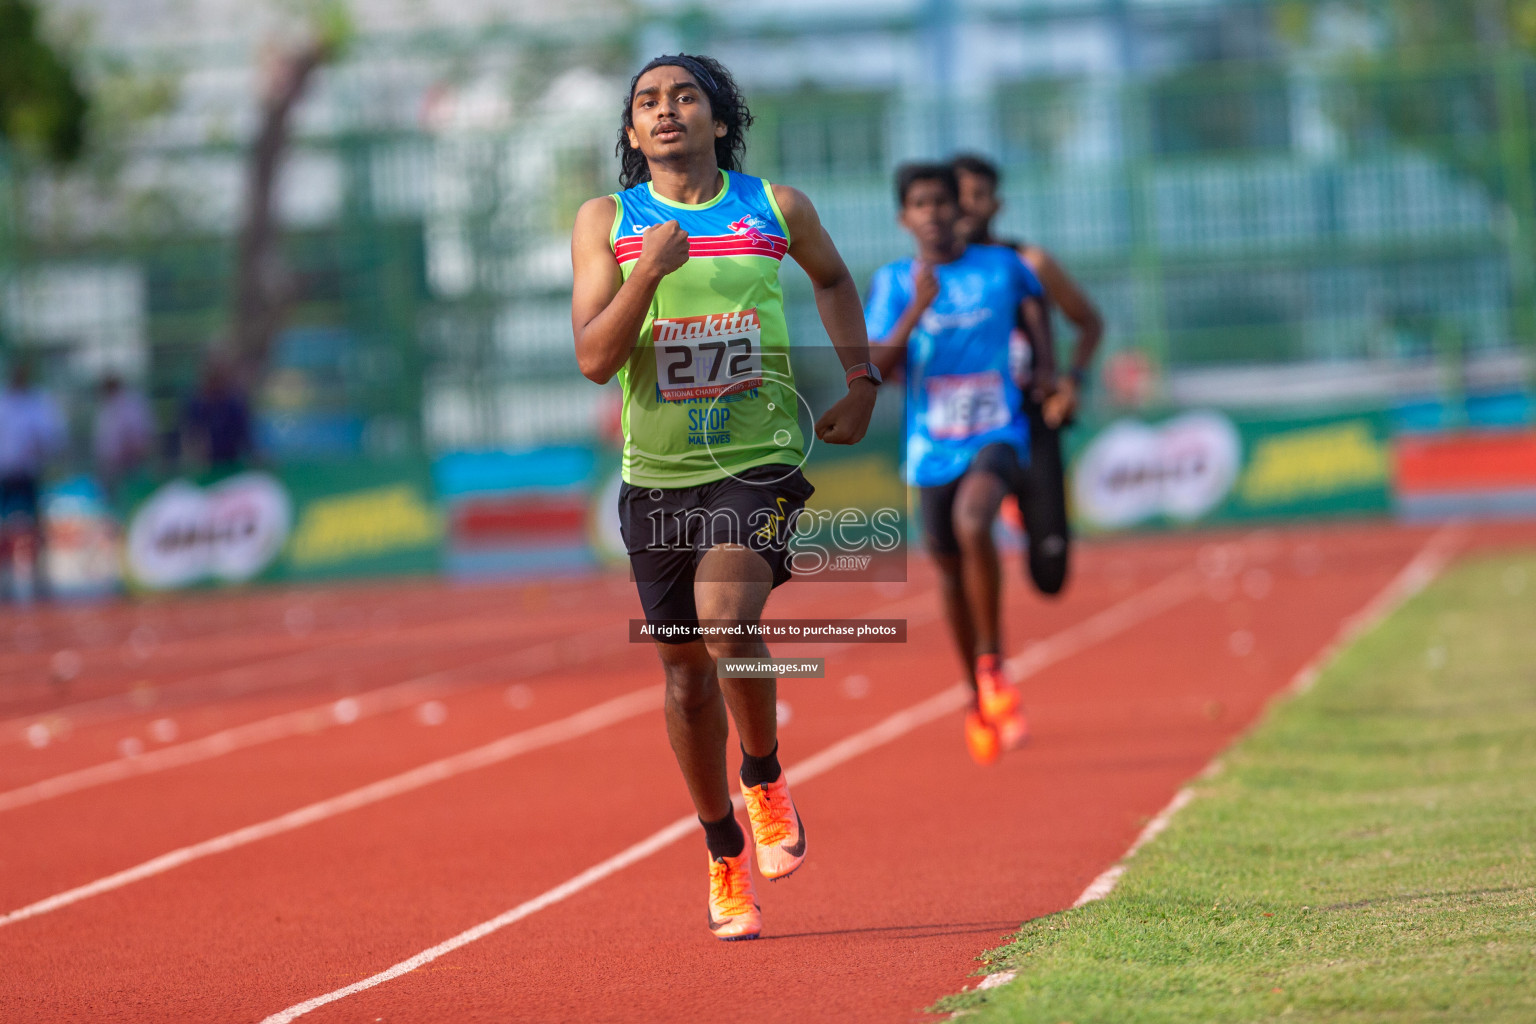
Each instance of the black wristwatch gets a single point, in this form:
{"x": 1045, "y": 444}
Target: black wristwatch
{"x": 869, "y": 370}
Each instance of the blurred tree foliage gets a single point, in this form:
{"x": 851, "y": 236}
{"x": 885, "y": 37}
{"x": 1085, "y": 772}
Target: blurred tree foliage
{"x": 1399, "y": 27}
{"x": 1454, "y": 79}
{"x": 1383, "y": 44}
{"x": 1451, "y": 78}
{"x": 42, "y": 106}
{"x": 264, "y": 288}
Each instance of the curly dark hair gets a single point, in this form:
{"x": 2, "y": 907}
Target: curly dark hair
{"x": 971, "y": 163}
{"x": 726, "y": 105}
{"x": 908, "y": 175}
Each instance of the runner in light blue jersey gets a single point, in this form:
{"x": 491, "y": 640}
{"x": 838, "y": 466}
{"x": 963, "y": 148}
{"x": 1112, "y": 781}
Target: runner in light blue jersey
{"x": 945, "y": 317}
{"x": 961, "y": 396}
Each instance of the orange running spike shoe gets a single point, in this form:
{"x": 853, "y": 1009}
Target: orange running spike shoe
{"x": 980, "y": 738}
{"x": 1012, "y": 731}
{"x": 776, "y": 828}
{"x": 733, "y": 910}
{"x": 997, "y": 698}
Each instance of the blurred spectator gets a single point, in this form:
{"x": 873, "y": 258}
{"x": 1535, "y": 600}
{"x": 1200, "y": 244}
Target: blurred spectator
{"x": 123, "y": 436}
{"x": 31, "y": 433}
{"x": 216, "y": 422}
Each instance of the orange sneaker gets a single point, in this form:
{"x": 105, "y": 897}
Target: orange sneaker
{"x": 733, "y": 910}
{"x": 980, "y": 738}
{"x": 776, "y": 828}
{"x": 997, "y": 698}
{"x": 1012, "y": 731}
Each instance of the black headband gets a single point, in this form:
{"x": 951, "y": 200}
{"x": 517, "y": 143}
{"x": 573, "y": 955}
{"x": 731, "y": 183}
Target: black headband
{"x": 688, "y": 64}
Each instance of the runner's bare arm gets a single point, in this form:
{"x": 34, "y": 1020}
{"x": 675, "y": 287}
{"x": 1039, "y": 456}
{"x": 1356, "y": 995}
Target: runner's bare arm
{"x": 1037, "y": 327}
{"x": 889, "y": 352}
{"x": 1073, "y": 301}
{"x": 837, "y": 300}
{"x": 1059, "y": 286}
{"x": 606, "y": 310}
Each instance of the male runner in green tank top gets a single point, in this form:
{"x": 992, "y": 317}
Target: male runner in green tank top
{"x": 677, "y": 293}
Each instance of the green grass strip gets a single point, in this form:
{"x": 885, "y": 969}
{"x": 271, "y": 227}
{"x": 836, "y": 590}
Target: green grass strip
{"x": 1368, "y": 854}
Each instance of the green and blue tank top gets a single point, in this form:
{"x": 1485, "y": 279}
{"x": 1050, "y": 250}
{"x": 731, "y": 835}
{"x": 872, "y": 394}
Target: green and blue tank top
{"x": 708, "y": 390}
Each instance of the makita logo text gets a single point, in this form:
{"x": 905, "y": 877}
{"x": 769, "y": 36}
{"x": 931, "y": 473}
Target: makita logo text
{"x": 714, "y": 325}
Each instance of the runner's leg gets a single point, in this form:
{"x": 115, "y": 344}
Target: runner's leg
{"x": 1042, "y": 496}
{"x": 696, "y": 725}
{"x": 976, "y": 503}
{"x": 962, "y": 524}
{"x": 992, "y": 475}
{"x": 958, "y": 610}
{"x": 653, "y": 524}
{"x": 938, "y": 510}
{"x": 733, "y": 583}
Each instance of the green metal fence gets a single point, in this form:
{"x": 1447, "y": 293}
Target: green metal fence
{"x": 1275, "y": 213}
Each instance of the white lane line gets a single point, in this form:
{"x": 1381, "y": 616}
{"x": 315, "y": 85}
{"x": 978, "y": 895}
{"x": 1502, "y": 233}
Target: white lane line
{"x": 583, "y": 722}
{"x": 353, "y": 707}
{"x": 1159, "y": 597}
{"x": 365, "y": 704}
{"x": 1428, "y": 563}
{"x": 1105, "y": 883}
{"x": 576, "y": 725}
{"x": 1105, "y": 624}
{"x": 243, "y": 677}
{"x": 222, "y": 682}
{"x": 227, "y": 682}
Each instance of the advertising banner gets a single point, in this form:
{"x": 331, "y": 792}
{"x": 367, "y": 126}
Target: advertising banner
{"x": 82, "y": 554}
{"x": 362, "y": 519}
{"x": 1485, "y": 474}
{"x": 1207, "y": 466}
{"x": 521, "y": 513}
{"x": 300, "y": 522}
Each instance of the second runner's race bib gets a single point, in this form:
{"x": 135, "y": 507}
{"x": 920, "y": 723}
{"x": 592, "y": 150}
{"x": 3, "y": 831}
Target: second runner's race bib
{"x": 706, "y": 356}
{"x": 966, "y": 404}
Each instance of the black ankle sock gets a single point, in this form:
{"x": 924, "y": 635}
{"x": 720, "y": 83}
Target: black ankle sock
{"x": 757, "y": 770}
{"x": 724, "y": 837}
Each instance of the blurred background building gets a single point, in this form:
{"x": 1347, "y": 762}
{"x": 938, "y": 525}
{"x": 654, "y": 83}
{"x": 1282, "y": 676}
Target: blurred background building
{"x": 1276, "y": 202}
{"x": 1240, "y": 183}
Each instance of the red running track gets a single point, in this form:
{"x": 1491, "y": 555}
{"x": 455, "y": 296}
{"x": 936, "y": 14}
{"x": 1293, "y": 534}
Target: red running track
{"x": 919, "y": 859}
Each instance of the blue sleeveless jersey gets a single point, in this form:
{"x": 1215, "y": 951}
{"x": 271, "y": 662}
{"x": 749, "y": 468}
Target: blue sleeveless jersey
{"x": 961, "y": 393}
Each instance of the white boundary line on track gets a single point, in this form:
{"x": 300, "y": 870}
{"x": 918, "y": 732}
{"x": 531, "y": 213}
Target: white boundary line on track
{"x": 366, "y": 704}
{"x": 1428, "y": 563}
{"x": 571, "y": 727}
{"x": 79, "y": 713}
{"x": 1117, "y": 618}
{"x": 14, "y": 730}
{"x": 580, "y": 724}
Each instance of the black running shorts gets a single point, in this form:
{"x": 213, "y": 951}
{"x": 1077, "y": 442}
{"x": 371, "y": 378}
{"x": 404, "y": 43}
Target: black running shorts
{"x": 667, "y": 530}
{"x": 938, "y": 503}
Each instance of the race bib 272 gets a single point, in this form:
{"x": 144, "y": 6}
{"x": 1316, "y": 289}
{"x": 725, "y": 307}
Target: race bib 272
{"x": 706, "y": 356}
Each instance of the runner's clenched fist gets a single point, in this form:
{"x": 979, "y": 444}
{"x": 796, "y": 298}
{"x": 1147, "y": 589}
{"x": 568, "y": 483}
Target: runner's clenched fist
{"x": 665, "y": 247}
